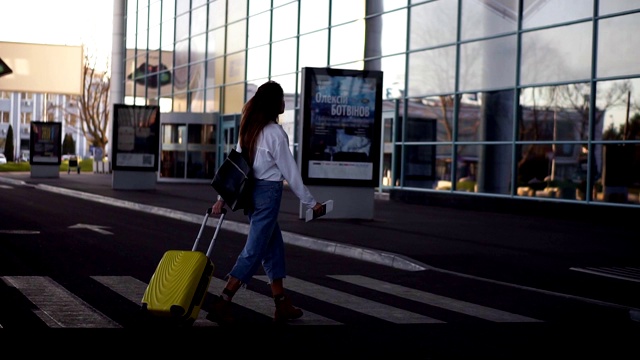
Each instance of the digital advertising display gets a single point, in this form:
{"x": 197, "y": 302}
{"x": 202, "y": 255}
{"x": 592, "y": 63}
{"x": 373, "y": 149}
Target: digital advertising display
{"x": 341, "y": 114}
{"x": 136, "y": 137}
{"x": 45, "y": 143}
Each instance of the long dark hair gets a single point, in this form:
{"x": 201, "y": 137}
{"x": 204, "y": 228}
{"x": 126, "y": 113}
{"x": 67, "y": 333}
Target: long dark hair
{"x": 263, "y": 108}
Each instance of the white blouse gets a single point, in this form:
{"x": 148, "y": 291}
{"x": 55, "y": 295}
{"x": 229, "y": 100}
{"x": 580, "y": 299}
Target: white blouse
{"x": 274, "y": 161}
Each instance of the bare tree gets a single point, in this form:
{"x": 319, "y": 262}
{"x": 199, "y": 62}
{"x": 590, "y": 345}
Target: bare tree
{"x": 93, "y": 104}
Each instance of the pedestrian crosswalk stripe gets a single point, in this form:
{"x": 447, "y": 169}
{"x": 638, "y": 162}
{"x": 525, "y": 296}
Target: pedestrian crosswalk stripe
{"x": 355, "y": 303}
{"x": 264, "y": 305}
{"x": 57, "y": 307}
{"x": 459, "y": 306}
{"x": 133, "y": 290}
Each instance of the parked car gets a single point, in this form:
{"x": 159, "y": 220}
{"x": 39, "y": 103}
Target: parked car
{"x": 3, "y": 159}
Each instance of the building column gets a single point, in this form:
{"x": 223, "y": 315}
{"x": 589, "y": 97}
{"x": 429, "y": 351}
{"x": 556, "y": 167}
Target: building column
{"x": 116, "y": 95}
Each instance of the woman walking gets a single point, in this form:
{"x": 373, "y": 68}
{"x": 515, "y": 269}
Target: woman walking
{"x": 267, "y": 144}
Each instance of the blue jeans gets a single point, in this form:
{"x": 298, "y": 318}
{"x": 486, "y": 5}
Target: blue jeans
{"x": 264, "y": 245}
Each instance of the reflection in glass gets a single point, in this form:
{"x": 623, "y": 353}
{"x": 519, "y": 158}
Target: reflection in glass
{"x": 618, "y": 54}
{"x": 557, "y": 54}
{"x": 556, "y": 170}
{"x": 431, "y": 119}
{"x": 432, "y": 71}
{"x": 552, "y": 113}
{"x": 613, "y": 6}
{"x": 620, "y": 101}
{"x": 487, "y": 18}
{"x": 419, "y": 166}
{"x": 433, "y": 23}
{"x": 488, "y": 64}
{"x": 542, "y": 13}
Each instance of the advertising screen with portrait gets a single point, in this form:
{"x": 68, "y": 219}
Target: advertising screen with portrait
{"x": 340, "y": 138}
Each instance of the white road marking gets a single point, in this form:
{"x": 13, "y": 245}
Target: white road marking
{"x": 459, "y": 306}
{"x": 57, "y": 307}
{"x": 96, "y": 228}
{"x": 355, "y": 303}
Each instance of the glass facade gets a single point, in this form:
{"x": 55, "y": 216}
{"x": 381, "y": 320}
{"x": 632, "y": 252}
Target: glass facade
{"x": 500, "y": 98}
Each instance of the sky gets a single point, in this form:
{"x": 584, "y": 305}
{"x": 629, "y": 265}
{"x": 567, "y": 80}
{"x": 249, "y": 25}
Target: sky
{"x": 59, "y": 22}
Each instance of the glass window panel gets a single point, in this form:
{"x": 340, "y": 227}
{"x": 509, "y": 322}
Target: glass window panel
{"x": 168, "y": 10}
{"x": 182, "y": 27}
{"x": 420, "y": 166}
{"x": 168, "y": 34}
{"x": 313, "y": 49}
{"x": 613, "y": 6}
{"x": 344, "y": 11}
{"x": 393, "y": 68}
{"x": 154, "y": 37}
{"x": 236, "y": 37}
{"x": 259, "y": 26}
{"x": 131, "y": 24}
{"x": 182, "y": 6}
{"x": 432, "y": 24}
{"x": 394, "y": 4}
{"x": 283, "y": 59}
{"x": 141, "y": 42}
{"x": 155, "y": 14}
{"x": 434, "y": 114}
{"x": 236, "y": 10}
{"x": 258, "y": 62}
{"x": 181, "y": 71}
{"x": 394, "y": 32}
{"x": 233, "y": 98}
{"x": 487, "y": 116}
{"x": 488, "y": 64}
{"x": 198, "y": 48}
{"x": 215, "y": 46}
{"x": 257, "y": 6}
{"x": 551, "y": 170}
{"x": 314, "y": 15}
{"x": 285, "y": 21}
{"x": 467, "y": 167}
{"x": 618, "y": 103}
{"x": 552, "y": 113}
{"x": 558, "y": 54}
{"x": 217, "y": 15}
{"x": 620, "y": 182}
{"x": 542, "y": 13}
{"x": 432, "y": 71}
{"x": 347, "y": 43}
{"x": 494, "y": 165}
{"x": 199, "y": 20}
{"x": 614, "y": 58}
{"x": 487, "y": 18}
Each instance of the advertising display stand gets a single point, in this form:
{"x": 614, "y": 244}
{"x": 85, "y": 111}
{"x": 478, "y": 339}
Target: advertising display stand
{"x": 136, "y": 138}
{"x": 339, "y": 157}
{"x": 45, "y": 148}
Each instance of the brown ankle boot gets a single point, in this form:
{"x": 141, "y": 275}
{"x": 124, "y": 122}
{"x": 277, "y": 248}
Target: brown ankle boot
{"x": 284, "y": 310}
{"x": 221, "y": 312}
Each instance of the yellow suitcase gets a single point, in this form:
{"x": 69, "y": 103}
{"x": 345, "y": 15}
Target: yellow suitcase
{"x": 179, "y": 284}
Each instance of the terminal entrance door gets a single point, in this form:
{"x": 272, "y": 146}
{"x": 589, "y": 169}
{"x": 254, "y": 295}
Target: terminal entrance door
{"x": 227, "y": 136}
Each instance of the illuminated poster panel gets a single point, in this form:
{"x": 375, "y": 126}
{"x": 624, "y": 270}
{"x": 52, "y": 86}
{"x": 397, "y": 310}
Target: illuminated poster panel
{"x": 341, "y": 114}
{"x": 45, "y": 143}
{"x": 136, "y": 137}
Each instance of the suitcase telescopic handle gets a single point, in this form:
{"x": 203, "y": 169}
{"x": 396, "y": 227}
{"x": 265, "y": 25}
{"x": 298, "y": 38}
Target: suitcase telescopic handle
{"x": 204, "y": 223}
